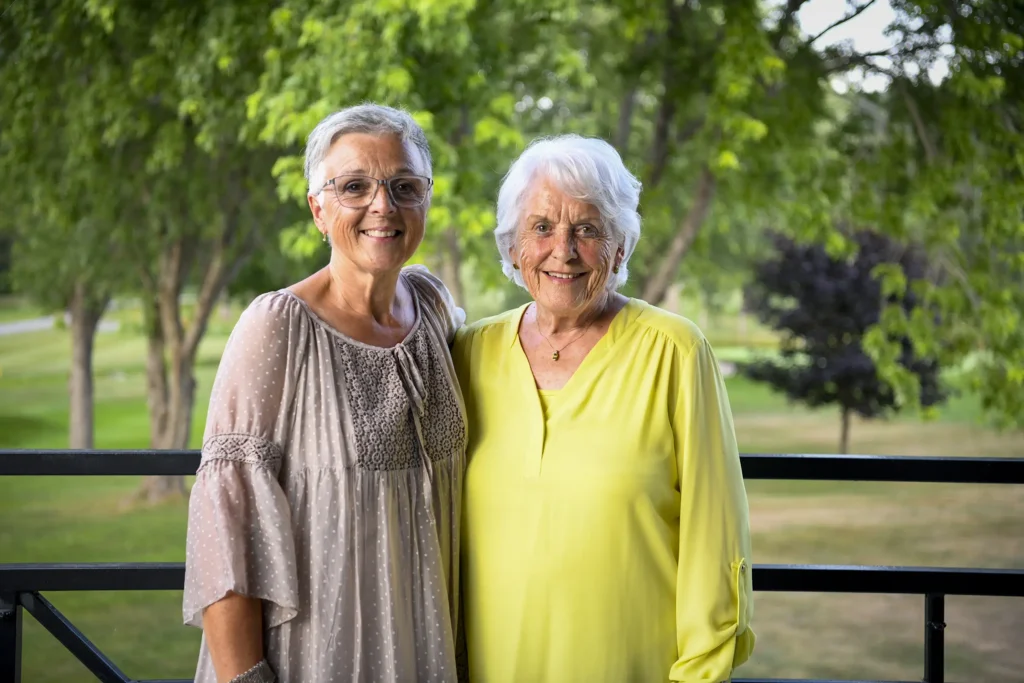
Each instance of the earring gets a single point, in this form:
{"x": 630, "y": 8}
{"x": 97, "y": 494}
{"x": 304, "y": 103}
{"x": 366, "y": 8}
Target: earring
{"x": 325, "y": 236}
{"x": 615, "y": 270}
{"x": 516, "y": 266}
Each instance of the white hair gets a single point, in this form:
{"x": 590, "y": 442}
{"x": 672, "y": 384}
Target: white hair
{"x": 588, "y": 169}
{"x": 373, "y": 119}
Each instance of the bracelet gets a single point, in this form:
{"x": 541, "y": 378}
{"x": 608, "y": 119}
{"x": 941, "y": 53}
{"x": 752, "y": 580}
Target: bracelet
{"x": 261, "y": 673}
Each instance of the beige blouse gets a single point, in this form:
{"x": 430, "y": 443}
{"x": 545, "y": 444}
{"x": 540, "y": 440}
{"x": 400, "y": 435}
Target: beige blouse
{"x": 330, "y": 488}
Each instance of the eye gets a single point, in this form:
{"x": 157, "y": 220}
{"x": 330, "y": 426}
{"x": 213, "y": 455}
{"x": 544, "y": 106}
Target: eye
{"x": 587, "y": 230}
{"x": 409, "y": 190}
{"x": 355, "y": 187}
{"x": 542, "y": 228}
{"x": 404, "y": 187}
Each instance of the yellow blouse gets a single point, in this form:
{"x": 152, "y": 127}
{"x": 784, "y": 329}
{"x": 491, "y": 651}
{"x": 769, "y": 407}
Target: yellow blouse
{"x": 605, "y": 525}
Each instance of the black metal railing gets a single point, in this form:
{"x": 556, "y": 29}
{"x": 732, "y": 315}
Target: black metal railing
{"x": 22, "y": 585}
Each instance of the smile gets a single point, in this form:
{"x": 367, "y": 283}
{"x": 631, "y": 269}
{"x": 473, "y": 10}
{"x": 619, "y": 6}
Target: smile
{"x": 380, "y": 234}
{"x": 565, "y": 277}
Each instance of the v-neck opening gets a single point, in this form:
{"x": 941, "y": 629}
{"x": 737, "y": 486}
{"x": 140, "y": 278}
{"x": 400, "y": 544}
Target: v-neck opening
{"x": 620, "y": 322}
{"x": 588, "y": 367}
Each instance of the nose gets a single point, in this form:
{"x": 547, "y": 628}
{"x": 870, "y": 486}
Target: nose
{"x": 565, "y": 246}
{"x": 381, "y": 202}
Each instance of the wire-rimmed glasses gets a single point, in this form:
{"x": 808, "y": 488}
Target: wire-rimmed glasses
{"x": 359, "y": 191}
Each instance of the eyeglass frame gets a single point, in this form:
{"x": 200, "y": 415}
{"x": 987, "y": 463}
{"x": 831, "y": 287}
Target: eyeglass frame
{"x": 386, "y": 182}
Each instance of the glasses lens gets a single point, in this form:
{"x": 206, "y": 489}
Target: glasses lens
{"x": 354, "y": 191}
{"x": 409, "y": 190}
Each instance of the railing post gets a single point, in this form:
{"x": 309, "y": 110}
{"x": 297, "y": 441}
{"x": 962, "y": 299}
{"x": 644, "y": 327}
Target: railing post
{"x": 934, "y": 638}
{"x": 10, "y": 638}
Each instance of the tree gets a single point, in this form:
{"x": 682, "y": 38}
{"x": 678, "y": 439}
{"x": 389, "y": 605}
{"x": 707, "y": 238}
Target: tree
{"x": 208, "y": 199}
{"x": 938, "y": 163}
{"x": 52, "y": 185}
{"x": 58, "y": 264}
{"x": 823, "y": 306}
{"x": 187, "y": 189}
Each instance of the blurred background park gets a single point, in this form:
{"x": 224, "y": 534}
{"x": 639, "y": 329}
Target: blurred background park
{"x": 833, "y": 191}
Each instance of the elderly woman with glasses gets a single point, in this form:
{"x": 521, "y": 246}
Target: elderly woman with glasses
{"x": 323, "y": 532}
{"x": 605, "y": 534}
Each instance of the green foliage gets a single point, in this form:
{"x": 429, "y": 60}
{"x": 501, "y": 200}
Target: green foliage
{"x": 128, "y": 115}
{"x": 826, "y": 307}
{"x": 53, "y": 179}
{"x": 136, "y": 167}
{"x": 150, "y": 118}
{"x": 940, "y": 165}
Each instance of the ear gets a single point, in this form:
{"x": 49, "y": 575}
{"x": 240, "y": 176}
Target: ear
{"x": 512, "y": 254}
{"x": 620, "y": 254}
{"x": 318, "y": 212}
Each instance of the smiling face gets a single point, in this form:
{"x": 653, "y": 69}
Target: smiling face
{"x": 565, "y": 252}
{"x": 381, "y": 237}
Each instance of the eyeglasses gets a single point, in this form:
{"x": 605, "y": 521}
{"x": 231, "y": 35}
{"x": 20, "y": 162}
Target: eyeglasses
{"x": 359, "y": 191}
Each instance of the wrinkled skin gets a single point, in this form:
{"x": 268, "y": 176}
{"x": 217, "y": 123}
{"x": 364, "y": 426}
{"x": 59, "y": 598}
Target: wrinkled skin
{"x": 561, "y": 235}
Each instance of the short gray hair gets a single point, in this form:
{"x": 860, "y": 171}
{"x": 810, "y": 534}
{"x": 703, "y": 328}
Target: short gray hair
{"x": 374, "y": 119}
{"x": 588, "y": 169}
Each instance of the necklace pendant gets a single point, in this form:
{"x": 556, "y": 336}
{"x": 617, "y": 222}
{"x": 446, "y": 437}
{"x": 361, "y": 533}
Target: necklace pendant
{"x": 554, "y": 356}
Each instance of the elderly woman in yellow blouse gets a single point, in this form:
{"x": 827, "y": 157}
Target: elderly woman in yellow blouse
{"x": 605, "y": 528}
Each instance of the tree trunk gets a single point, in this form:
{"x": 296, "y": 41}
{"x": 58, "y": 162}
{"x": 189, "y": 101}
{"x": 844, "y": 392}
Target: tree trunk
{"x": 625, "y": 125}
{"x": 627, "y": 106}
{"x": 156, "y": 376}
{"x": 171, "y": 421}
{"x": 661, "y": 148}
{"x": 451, "y": 265}
{"x": 656, "y": 286}
{"x": 844, "y": 432}
{"x": 86, "y": 311}
{"x": 183, "y": 397}
{"x": 451, "y": 250}
{"x": 158, "y": 400}
{"x": 171, "y": 384}
{"x": 673, "y": 299}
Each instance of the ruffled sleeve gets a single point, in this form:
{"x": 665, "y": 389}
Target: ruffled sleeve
{"x": 239, "y": 526}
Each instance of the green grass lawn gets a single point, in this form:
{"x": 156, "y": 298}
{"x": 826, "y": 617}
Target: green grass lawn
{"x": 78, "y": 519}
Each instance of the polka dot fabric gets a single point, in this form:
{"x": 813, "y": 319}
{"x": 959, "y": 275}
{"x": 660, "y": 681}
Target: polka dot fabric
{"x": 330, "y": 488}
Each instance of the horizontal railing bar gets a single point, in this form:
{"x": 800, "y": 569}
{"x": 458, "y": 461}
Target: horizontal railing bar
{"x": 76, "y": 463}
{"x": 952, "y": 470}
{"x": 73, "y": 640}
{"x": 755, "y": 466}
{"x": 98, "y": 576}
{"x": 119, "y": 576}
{"x": 787, "y": 578}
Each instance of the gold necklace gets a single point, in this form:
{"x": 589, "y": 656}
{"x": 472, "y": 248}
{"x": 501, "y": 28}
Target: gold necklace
{"x": 557, "y": 352}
